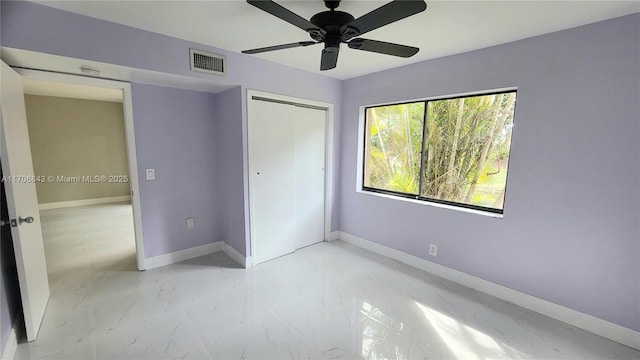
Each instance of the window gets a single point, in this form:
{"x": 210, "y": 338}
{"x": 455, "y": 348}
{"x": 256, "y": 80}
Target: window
{"x": 453, "y": 151}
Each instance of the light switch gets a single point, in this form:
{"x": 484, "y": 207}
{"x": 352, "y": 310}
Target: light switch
{"x": 191, "y": 223}
{"x": 151, "y": 174}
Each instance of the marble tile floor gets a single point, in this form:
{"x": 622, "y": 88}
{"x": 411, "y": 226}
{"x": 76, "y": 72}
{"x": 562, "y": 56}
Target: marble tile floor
{"x": 326, "y": 301}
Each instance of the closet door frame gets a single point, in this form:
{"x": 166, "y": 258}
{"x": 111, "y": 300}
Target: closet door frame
{"x": 329, "y": 163}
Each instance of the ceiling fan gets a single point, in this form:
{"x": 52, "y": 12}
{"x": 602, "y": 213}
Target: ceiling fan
{"x": 334, "y": 27}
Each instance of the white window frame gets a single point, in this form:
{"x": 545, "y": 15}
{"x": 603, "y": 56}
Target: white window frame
{"x": 360, "y": 153}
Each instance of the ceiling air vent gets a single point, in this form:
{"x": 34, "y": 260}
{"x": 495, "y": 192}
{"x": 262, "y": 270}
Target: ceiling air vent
{"x": 206, "y": 62}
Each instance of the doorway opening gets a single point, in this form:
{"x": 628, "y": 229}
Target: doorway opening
{"x": 79, "y": 153}
{"x": 83, "y": 151}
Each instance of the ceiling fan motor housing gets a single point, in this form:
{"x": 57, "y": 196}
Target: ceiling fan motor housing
{"x": 331, "y": 22}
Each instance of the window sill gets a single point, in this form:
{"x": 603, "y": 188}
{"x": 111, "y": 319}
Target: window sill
{"x": 434, "y": 204}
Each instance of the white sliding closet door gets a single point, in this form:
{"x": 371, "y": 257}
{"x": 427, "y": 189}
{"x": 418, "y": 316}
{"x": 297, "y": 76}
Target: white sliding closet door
{"x": 272, "y": 180}
{"x": 287, "y": 166}
{"x": 310, "y": 167}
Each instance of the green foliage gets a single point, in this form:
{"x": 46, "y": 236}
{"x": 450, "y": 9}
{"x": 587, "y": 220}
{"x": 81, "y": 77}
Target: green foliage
{"x": 466, "y": 148}
{"x": 402, "y": 182}
{"x": 395, "y": 143}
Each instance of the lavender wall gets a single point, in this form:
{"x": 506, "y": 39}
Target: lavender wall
{"x": 40, "y": 28}
{"x": 231, "y": 182}
{"x": 37, "y": 27}
{"x": 570, "y": 231}
{"x": 572, "y": 205}
{"x": 176, "y": 134}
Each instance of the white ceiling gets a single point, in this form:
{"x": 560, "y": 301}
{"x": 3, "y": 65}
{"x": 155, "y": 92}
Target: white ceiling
{"x": 445, "y": 28}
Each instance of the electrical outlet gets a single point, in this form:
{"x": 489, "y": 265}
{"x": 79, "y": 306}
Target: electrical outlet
{"x": 150, "y": 174}
{"x": 433, "y": 249}
{"x": 191, "y": 223}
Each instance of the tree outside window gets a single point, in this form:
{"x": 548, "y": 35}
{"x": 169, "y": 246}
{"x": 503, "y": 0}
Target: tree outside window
{"x": 453, "y": 151}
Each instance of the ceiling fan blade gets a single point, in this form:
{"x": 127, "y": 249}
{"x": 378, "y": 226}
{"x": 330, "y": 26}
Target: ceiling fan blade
{"x": 383, "y": 47}
{"x": 279, "y": 47}
{"x": 286, "y": 15}
{"x": 386, "y": 14}
{"x": 329, "y": 58}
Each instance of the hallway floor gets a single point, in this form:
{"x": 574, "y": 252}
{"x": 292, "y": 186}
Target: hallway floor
{"x": 326, "y": 301}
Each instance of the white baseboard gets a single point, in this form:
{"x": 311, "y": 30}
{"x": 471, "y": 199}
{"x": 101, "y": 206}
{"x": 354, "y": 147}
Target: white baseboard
{"x": 243, "y": 261}
{"x": 578, "y": 319}
{"x": 9, "y": 350}
{"x": 194, "y": 252}
{"x": 335, "y": 235}
{"x": 74, "y": 203}
{"x": 182, "y": 255}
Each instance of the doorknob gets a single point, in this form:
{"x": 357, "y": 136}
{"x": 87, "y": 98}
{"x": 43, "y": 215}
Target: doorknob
{"x": 28, "y": 220}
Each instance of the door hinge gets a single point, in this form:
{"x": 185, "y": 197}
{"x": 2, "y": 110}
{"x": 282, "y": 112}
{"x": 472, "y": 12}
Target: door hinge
{"x": 12, "y": 222}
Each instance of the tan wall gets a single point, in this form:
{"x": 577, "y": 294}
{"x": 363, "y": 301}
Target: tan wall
{"x": 76, "y": 138}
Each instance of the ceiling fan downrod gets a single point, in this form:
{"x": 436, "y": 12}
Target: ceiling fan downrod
{"x": 332, "y": 4}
